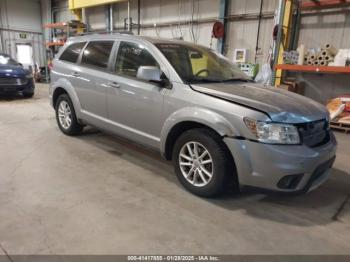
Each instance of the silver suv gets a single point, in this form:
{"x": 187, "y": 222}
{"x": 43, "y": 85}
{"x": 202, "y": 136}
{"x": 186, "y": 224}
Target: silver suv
{"x": 198, "y": 109}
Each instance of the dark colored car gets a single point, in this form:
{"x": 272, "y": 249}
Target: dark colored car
{"x": 14, "y": 78}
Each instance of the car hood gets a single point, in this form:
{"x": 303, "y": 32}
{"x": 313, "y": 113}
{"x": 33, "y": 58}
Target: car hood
{"x": 12, "y": 71}
{"x": 281, "y": 105}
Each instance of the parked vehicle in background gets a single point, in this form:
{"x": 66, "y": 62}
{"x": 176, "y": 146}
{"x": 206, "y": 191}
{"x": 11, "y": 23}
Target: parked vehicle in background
{"x": 14, "y": 78}
{"x": 197, "y": 108}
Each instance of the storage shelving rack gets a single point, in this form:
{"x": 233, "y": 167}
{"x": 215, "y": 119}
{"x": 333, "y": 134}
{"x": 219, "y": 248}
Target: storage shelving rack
{"x": 61, "y": 31}
{"x": 287, "y": 36}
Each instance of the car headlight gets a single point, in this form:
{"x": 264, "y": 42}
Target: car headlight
{"x": 29, "y": 75}
{"x": 273, "y": 133}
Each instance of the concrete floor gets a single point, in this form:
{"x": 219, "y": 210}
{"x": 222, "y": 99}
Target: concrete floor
{"x": 97, "y": 194}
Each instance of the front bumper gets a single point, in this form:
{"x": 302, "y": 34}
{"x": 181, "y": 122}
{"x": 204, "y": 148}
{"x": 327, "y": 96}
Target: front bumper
{"x": 264, "y": 166}
{"x": 28, "y": 87}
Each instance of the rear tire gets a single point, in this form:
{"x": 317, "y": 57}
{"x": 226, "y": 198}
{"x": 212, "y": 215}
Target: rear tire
{"x": 66, "y": 117}
{"x": 205, "y": 172}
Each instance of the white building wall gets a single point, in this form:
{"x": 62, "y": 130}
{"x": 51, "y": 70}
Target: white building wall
{"x": 242, "y": 32}
{"x": 177, "y": 14}
{"x": 330, "y": 27}
{"x": 96, "y": 18}
{"x": 60, "y": 11}
{"x": 22, "y": 16}
{"x": 315, "y": 29}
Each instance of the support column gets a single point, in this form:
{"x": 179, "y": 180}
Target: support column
{"x": 129, "y": 20}
{"x": 282, "y": 43}
{"x": 223, "y": 11}
{"x": 138, "y": 17}
{"x": 109, "y": 18}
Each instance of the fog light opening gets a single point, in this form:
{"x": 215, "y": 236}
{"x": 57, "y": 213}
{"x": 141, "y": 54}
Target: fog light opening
{"x": 290, "y": 181}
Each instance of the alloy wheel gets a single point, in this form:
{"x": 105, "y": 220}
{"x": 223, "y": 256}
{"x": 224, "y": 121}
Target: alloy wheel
{"x": 196, "y": 164}
{"x": 64, "y": 114}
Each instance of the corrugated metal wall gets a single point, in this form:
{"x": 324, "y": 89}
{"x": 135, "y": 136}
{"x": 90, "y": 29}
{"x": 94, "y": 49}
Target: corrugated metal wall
{"x": 96, "y": 18}
{"x": 60, "y": 11}
{"x": 178, "y": 13}
{"x": 316, "y": 30}
{"x": 331, "y": 26}
{"x": 17, "y": 17}
{"x": 242, "y": 32}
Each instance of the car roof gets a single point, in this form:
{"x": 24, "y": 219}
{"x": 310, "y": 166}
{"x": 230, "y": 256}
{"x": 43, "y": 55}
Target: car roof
{"x": 126, "y": 36}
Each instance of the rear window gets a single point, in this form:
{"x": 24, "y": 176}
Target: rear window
{"x": 97, "y": 53}
{"x": 72, "y": 52}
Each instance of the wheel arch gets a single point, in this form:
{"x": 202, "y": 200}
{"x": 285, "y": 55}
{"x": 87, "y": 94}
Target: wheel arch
{"x": 58, "y": 91}
{"x": 65, "y": 87}
{"x": 232, "y": 180}
{"x": 190, "y": 118}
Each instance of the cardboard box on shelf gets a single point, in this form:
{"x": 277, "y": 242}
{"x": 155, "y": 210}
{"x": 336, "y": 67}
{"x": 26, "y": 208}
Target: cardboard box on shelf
{"x": 293, "y": 86}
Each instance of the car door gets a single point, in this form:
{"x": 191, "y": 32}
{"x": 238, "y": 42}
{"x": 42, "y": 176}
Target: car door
{"x": 91, "y": 88}
{"x": 135, "y": 106}
{"x": 66, "y": 65}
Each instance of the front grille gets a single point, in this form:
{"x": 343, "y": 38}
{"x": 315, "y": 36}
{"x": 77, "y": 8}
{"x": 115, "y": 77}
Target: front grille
{"x": 314, "y": 134}
{"x": 7, "y": 81}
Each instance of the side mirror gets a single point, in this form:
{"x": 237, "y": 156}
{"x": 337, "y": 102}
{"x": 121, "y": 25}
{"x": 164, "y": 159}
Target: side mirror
{"x": 149, "y": 73}
{"x": 152, "y": 74}
{"x": 20, "y": 64}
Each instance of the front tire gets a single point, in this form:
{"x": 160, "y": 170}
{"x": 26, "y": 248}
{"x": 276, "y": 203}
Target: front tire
{"x": 202, "y": 162}
{"x": 66, "y": 117}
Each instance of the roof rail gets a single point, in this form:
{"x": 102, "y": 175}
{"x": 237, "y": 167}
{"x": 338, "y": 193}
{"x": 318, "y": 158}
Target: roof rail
{"x": 123, "y": 32}
{"x": 107, "y": 32}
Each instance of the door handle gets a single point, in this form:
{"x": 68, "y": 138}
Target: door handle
{"x": 113, "y": 84}
{"x": 75, "y": 74}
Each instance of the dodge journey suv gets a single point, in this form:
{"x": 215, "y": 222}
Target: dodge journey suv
{"x": 198, "y": 109}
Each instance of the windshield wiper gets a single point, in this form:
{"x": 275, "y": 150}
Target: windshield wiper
{"x": 208, "y": 80}
{"x": 237, "y": 80}
{"x": 203, "y": 80}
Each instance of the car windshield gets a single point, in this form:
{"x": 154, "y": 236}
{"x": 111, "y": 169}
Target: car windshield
{"x": 197, "y": 64}
{"x": 6, "y": 60}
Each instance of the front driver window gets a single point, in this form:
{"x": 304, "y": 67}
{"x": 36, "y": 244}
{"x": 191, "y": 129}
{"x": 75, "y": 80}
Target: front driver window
{"x": 198, "y": 64}
{"x": 130, "y": 57}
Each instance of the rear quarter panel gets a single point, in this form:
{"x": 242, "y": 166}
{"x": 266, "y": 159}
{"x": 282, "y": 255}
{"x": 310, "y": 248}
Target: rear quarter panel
{"x": 61, "y": 78}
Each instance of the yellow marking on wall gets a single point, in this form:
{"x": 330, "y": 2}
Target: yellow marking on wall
{"x": 76, "y": 4}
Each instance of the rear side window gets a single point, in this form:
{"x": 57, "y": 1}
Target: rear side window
{"x": 97, "y": 53}
{"x": 72, "y": 52}
{"x": 130, "y": 57}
